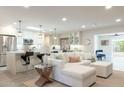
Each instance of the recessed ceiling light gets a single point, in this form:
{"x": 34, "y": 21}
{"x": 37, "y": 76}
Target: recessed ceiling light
{"x": 26, "y": 6}
{"x": 118, "y": 20}
{"x": 83, "y": 26}
{"x": 108, "y": 7}
{"x": 64, "y": 19}
{"x": 15, "y": 23}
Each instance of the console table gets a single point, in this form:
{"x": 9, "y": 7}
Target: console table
{"x": 44, "y": 73}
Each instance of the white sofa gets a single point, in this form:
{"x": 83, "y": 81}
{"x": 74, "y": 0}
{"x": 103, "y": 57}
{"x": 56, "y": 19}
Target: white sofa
{"x": 73, "y": 74}
{"x": 80, "y": 73}
{"x": 83, "y": 55}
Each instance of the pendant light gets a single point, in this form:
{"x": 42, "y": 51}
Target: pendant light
{"x": 55, "y": 38}
{"x": 20, "y": 32}
{"x": 40, "y": 33}
{"x": 55, "y": 34}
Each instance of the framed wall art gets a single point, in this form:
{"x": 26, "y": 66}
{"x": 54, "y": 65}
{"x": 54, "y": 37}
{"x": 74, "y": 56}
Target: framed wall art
{"x": 104, "y": 42}
{"x": 64, "y": 44}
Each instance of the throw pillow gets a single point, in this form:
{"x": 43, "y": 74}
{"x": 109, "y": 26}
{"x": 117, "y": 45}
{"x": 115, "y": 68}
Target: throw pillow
{"x": 60, "y": 56}
{"x": 74, "y": 59}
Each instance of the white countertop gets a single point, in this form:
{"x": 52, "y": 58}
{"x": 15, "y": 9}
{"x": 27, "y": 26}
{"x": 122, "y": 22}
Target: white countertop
{"x": 20, "y": 52}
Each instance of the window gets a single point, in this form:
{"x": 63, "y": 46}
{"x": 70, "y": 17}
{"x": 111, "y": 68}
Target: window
{"x": 118, "y": 46}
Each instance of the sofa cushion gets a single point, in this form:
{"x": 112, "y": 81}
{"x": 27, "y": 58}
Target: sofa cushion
{"x": 77, "y": 71}
{"x": 83, "y": 62}
{"x": 101, "y": 64}
{"x": 60, "y": 56}
{"x": 59, "y": 63}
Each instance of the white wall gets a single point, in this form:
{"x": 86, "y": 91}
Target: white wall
{"x": 8, "y": 30}
{"x": 91, "y": 33}
{"x": 107, "y": 49}
{"x": 37, "y": 41}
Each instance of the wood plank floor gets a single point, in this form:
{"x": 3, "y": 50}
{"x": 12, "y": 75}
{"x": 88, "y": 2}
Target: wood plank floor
{"x": 27, "y": 79}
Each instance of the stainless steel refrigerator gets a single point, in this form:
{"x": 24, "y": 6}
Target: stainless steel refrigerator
{"x": 7, "y": 43}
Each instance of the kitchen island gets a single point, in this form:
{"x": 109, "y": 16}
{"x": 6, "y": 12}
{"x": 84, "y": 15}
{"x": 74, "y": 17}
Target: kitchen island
{"x": 15, "y": 63}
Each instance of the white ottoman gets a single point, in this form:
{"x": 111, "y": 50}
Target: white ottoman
{"x": 78, "y": 75}
{"x": 103, "y": 69}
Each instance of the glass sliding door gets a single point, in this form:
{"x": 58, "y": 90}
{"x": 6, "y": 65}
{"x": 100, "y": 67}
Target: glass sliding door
{"x": 118, "y": 47}
{"x": 118, "y": 54}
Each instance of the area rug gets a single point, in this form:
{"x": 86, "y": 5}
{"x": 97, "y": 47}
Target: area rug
{"x": 31, "y": 83}
{"x": 115, "y": 80}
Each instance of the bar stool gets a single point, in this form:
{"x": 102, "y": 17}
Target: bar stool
{"x": 26, "y": 57}
{"x": 40, "y": 56}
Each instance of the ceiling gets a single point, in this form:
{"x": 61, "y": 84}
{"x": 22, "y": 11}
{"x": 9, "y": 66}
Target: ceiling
{"x": 50, "y": 17}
